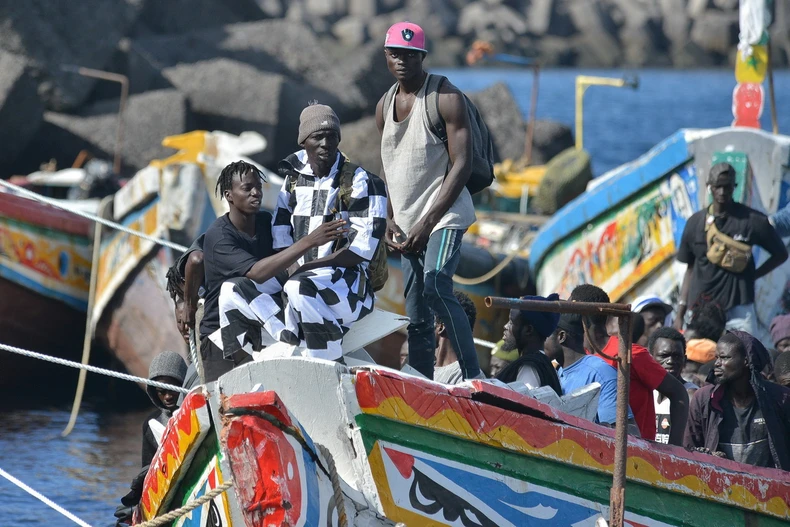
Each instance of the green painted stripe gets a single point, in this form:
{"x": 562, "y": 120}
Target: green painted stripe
{"x": 653, "y": 502}
{"x": 442, "y": 249}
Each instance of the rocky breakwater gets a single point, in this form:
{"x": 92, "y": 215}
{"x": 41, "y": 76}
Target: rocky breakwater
{"x": 254, "y": 64}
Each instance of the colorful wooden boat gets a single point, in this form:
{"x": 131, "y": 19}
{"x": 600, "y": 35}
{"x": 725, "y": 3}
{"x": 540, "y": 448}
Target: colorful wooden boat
{"x": 45, "y": 261}
{"x": 623, "y": 233}
{"x": 309, "y": 442}
{"x": 46, "y": 252}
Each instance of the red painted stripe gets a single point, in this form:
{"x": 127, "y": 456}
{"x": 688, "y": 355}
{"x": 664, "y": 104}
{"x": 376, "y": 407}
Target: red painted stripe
{"x": 41, "y": 215}
{"x": 673, "y": 463}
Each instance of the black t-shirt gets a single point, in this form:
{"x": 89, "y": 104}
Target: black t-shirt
{"x": 229, "y": 253}
{"x": 743, "y": 436}
{"x": 726, "y": 288}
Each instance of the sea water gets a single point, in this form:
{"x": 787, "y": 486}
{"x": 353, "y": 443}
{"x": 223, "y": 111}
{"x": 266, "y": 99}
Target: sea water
{"x": 90, "y": 470}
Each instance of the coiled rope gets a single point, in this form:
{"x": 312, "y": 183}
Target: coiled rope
{"x": 189, "y": 507}
{"x": 337, "y": 490}
{"x": 498, "y": 267}
{"x": 92, "y": 369}
{"x": 87, "y": 215}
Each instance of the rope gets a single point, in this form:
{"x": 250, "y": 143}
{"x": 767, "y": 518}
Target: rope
{"x": 189, "y": 507}
{"x": 43, "y": 499}
{"x": 498, "y": 267}
{"x": 484, "y": 343}
{"x": 93, "y": 369}
{"x": 337, "y": 490}
{"x": 58, "y": 204}
{"x": 197, "y": 360}
{"x": 87, "y": 339}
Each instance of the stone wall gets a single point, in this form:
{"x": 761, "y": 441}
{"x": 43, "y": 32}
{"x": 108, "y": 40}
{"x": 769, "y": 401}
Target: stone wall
{"x": 254, "y": 64}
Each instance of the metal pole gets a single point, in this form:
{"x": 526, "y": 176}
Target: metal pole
{"x": 617, "y": 494}
{"x": 123, "y": 80}
{"x": 623, "y": 314}
{"x": 771, "y": 93}
{"x": 533, "y": 110}
{"x": 559, "y": 306}
{"x": 580, "y": 88}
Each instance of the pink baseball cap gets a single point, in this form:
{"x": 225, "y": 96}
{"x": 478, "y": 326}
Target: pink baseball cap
{"x": 405, "y": 35}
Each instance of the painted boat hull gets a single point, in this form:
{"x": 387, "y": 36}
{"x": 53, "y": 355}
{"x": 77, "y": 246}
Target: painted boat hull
{"x": 623, "y": 233}
{"x": 418, "y": 452}
{"x": 45, "y": 266}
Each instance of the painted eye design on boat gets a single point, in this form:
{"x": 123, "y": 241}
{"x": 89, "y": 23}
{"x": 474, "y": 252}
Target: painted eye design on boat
{"x": 214, "y": 518}
{"x": 427, "y": 496}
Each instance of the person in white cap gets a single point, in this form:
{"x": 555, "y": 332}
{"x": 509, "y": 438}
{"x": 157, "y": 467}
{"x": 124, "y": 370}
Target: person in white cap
{"x": 655, "y": 312}
{"x": 429, "y": 206}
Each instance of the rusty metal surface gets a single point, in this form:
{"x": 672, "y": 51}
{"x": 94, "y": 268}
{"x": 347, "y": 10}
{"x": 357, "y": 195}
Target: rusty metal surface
{"x": 617, "y": 498}
{"x": 559, "y": 306}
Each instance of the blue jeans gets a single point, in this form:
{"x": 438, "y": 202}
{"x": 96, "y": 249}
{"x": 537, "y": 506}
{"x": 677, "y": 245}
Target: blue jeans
{"x": 429, "y": 289}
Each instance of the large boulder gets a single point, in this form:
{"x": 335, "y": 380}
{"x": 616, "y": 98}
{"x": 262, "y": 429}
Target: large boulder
{"x": 503, "y": 118}
{"x": 597, "y": 45}
{"x": 178, "y": 16}
{"x": 21, "y": 108}
{"x": 235, "y": 97}
{"x": 276, "y": 46}
{"x": 361, "y": 142}
{"x": 55, "y": 35}
{"x": 549, "y": 139}
{"x": 148, "y": 118}
{"x": 716, "y": 32}
{"x": 494, "y": 23}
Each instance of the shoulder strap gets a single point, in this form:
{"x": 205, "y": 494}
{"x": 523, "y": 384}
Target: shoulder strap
{"x": 388, "y": 100}
{"x": 435, "y": 119}
{"x": 346, "y": 173}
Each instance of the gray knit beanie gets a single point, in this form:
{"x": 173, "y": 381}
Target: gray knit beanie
{"x": 316, "y": 117}
{"x": 168, "y": 364}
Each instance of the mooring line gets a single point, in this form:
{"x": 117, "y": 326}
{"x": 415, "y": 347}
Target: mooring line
{"x": 92, "y": 369}
{"x": 87, "y": 215}
{"x": 43, "y": 499}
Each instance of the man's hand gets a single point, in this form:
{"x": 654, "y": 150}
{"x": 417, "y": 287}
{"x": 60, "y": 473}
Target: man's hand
{"x": 328, "y": 232}
{"x": 393, "y": 234}
{"x": 708, "y": 451}
{"x": 418, "y": 237}
{"x": 181, "y": 323}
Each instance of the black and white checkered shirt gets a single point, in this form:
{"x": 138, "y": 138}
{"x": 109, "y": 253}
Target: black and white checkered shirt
{"x": 315, "y": 200}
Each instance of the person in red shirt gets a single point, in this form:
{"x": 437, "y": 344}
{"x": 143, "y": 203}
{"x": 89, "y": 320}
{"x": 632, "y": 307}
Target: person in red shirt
{"x": 601, "y": 334}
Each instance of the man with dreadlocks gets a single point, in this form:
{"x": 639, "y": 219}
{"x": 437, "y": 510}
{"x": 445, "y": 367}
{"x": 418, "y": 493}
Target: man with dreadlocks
{"x": 333, "y": 286}
{"x": 238, "y": 248}
{"x": 184, "y": 280}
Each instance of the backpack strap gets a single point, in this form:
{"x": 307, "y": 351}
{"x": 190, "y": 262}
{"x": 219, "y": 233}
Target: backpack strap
{"x": 346, "y": 183}
{"x": 388, "y": 100}
{"x": 435, "y": 119}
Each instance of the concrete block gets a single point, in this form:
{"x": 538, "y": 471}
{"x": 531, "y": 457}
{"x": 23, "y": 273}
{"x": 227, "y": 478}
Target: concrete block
{"x": 21, "y": 109}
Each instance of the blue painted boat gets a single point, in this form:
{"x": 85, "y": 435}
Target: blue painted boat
{"x": 623, "y": 232}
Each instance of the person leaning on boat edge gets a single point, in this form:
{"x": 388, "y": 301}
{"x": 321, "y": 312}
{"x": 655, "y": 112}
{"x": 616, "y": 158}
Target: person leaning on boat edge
{"x": 239, "y": 245}
{"x": 601, "y": 338}
{"x": 724, "y": 283}
{"x": 429, "y": 207}
{"x": 743, "y": 417}
{"x": 527, "y": 331}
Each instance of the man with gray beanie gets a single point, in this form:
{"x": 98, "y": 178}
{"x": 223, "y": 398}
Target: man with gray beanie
{"x": 333, "y": 286}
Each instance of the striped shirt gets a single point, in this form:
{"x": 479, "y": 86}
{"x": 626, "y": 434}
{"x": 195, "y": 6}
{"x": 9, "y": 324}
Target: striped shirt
{"x": 311, "y": 201}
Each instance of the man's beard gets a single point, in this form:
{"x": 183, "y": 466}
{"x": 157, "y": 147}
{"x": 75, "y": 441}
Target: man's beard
{"x": 509, "y": 344}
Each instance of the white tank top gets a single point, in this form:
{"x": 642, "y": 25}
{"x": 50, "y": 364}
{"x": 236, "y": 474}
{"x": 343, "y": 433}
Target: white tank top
{"x": 415, "y": 162}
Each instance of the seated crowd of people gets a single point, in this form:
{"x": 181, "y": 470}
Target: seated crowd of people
{"x": 305, "y": 273}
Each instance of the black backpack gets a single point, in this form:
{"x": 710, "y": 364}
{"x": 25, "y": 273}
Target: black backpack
{"x": 482, "y": 146}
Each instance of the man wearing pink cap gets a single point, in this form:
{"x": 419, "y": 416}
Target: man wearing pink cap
{"x": 429, "y": 206}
